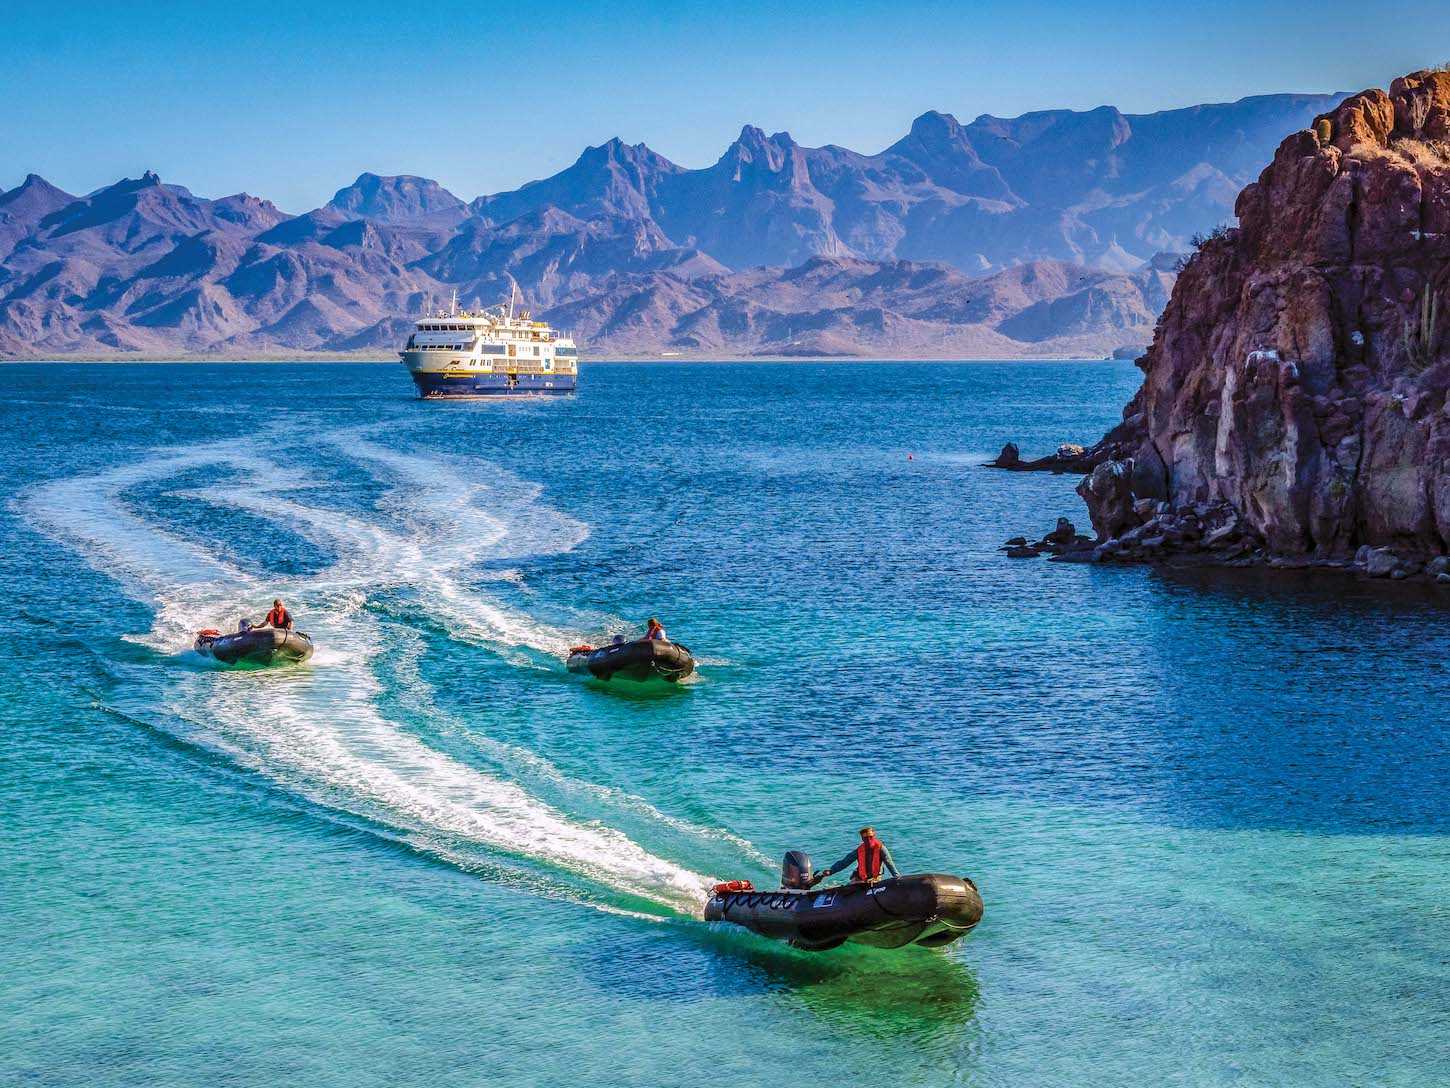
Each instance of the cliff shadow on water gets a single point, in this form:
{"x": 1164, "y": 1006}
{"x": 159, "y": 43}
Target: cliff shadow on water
{"x": 1294, "y": 701}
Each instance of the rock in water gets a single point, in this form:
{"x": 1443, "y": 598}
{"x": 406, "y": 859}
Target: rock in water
{"x": 1008, "y": 458}
{"x": 1298, "y": 376}
{"x": 1065, "y": 533}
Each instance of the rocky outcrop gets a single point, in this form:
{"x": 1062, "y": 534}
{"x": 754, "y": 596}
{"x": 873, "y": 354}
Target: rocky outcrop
{"x": 1063, "y": 542}
{"x": 1068, "y": 457}
{"x": 1294, "y": 405}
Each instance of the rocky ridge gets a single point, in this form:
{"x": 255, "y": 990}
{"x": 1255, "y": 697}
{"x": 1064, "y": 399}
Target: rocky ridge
{"x": 1294, "y": 405}
{"x": 1049, "y": 234}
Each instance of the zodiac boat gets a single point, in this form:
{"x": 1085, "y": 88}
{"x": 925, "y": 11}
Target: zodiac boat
{"x": 643, "y": 659}
{"x": 257, "y": 645}
{"x": 928, "y": 909}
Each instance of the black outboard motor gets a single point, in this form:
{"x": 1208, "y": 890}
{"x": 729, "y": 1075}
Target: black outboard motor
{"x": 795, "y": 870}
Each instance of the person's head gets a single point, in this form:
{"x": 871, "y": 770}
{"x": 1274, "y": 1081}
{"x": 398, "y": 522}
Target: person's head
{"x": 276, "y": 602}
{"x": 868, "y": 832}
{"x": 654, "y": 624}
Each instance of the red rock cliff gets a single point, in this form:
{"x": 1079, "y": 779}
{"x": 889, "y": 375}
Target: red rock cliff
{"x": 1296, "y": 385}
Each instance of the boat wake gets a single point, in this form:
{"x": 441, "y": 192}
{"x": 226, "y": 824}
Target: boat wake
{"x": 440, "y": 529}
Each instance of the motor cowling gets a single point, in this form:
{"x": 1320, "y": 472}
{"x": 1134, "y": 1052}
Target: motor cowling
{"x": 795, "y": 870}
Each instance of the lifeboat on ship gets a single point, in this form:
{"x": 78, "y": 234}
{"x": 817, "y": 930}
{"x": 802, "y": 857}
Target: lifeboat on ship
{"x": 927, "y": 909}
{"x": 641, "y": 660}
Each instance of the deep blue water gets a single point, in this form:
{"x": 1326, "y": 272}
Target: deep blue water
{"x": 1208, "y": 811}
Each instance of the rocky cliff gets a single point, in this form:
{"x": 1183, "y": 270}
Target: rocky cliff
{"x": 1294, "y": 399}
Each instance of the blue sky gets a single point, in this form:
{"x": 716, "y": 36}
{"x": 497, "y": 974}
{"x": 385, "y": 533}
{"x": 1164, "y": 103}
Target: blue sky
{"x": 292, "y": 100}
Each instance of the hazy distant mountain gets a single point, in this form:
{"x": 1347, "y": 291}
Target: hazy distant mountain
{"x": 774, "y": 249}
{"x": 401, "y": 199}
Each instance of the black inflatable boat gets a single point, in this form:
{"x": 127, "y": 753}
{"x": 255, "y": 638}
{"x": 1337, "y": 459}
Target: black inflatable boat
{"x": 257, "y": 645}
{"x": 929, "y": 909}
{"x": 643, "y": 659}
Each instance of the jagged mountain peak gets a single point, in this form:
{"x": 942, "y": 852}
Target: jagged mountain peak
{"x": 622, "y": 222}
{"x": 34, "y": 198}
{"x": 612, "y": 179}
{"x": 754, "y": 142}
{"x": 616, "y": 150}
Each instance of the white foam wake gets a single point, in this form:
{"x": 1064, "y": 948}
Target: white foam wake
{"x": 443, "y": 500}
{"x": 319, "y": 731}
{"x": 187, "y": 585}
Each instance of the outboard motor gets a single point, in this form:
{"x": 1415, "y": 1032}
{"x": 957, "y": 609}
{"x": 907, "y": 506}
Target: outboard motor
{"x": 795, "y": 870}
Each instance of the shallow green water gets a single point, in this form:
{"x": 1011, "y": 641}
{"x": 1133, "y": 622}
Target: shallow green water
{"x": 1208, "y": 812}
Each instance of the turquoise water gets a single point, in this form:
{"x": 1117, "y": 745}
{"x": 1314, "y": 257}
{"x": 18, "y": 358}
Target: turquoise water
{"x": 1208, "y": 812}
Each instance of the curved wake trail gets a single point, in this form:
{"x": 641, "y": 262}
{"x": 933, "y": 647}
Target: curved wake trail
{"x": 187, "y": 585}
{"x": 441, "y": 503}
{"x": 319, "y": 731}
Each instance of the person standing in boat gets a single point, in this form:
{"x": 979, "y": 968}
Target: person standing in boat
{"x": 279, "y": 617}
{"x": 654, "y": 631}
{"x": 869, "y": 858}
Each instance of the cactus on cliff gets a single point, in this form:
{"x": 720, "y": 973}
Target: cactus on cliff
{"x": 1423, "y": 334}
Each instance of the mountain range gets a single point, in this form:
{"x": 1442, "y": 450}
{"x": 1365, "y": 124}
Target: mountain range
{"x": 1053, "y": 233}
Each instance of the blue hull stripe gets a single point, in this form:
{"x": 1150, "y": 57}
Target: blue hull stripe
{"x": 494, "y": 385}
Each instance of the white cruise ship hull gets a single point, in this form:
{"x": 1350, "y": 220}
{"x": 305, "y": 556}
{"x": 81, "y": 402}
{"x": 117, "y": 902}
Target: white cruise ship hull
{"x": 435, "y": 386}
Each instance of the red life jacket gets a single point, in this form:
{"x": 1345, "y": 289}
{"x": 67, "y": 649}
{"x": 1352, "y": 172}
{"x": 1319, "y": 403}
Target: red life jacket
{"x": 868, "y": 860}
{"x": 279, "y": 617}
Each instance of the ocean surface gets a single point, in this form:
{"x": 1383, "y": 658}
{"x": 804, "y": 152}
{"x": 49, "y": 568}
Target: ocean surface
{"x": 1208, "y": 811}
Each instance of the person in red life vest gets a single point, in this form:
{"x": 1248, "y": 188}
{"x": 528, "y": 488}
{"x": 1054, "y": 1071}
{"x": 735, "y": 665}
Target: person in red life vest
{"x": 869, "y": 858}
{"x": 279, "y": 617}
{"x": 654, "y": 630}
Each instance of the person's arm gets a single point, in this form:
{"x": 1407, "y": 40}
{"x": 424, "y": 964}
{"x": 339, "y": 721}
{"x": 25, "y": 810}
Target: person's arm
{"x": 887, "y": 862}
{"x": 832, "y": 870}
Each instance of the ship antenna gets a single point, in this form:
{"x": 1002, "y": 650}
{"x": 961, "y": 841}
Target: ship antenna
{"x": 513, "y": 290}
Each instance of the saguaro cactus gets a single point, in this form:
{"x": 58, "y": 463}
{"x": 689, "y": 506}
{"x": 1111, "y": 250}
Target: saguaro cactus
{"x": 1423, "y": 334}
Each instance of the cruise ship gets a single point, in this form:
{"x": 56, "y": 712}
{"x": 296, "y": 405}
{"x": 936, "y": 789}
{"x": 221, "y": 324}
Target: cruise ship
{"x": 497, "y": 352}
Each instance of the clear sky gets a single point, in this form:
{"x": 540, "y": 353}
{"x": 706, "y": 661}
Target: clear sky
{"x": 292, "y": 100}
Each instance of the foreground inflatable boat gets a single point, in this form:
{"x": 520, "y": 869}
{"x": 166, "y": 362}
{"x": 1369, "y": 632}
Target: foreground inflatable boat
{"x": 929, "y": 909}
{"x": 643, "y": 659}
{"x": 258, "y": 646}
